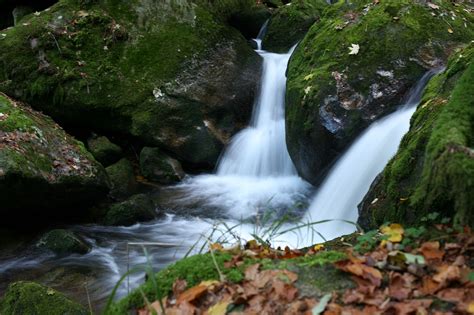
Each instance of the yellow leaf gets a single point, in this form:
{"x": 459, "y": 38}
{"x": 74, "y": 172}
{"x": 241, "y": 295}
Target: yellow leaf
{"x": 218, "y": 309}
{"x": 394, "y": 232}
{"x": 470, "y": 308}
{"x": 216, "y": 246}
{"x": 450, "y": 31}
{"x": 319, "y": 247}
{"x": 309, "y": 77}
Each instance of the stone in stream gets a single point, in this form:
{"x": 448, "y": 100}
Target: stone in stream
{"x": 122, "y": 179}
{"x": 332, "y": 95}
{"x": 137, "y": 208}
{"x": 42, "y": 168}
{"x": 63, "y": 242}
{"x": 103, "y": 150}
{"x": 24, "y": 297}
{"x": 158, "y": 167}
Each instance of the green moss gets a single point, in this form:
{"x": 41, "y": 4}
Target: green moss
{"x": 434, "y": 167}
{"x": 137, "y": 208}
{"x": 13, "y": 118}
{"x": 35, "y": 299}
{"x": 289, "y": 24}
{"x": 193, "y": 269}
{"x": 122, "y": 179}
{"x": 104, "y": 151}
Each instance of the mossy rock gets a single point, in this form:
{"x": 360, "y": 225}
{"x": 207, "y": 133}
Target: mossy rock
{"x": 158, "y": 167}
{"x": 42, "y": 167}
{"x": 167, "y": 73}
{"x": 195, "y": 269}
{"x": 138, "y": 208}
{"x": 103, "y": 150}
{"x": 289, "y": 24}
{"x": 333, "y": 95}
{"x": 35, "y": 299}
{"x": 433, "y": 170}
{"x": 63, "y": 242}
{"x": 122, "y": 179}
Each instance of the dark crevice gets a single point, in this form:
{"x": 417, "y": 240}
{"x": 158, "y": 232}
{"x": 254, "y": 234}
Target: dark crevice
{"x": 15, "y": 9}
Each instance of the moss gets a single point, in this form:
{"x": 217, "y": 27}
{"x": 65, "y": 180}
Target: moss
{"x": 104, "y": 151}
{"x": 289, "y": 24}
{"x": 158, "y": 167}
{"x": 434, "y": 166}
{"x": 403, "y": 38}
{"x": 63, "y": 242}
{"x": 32, "y": 298}
{"x": 137, "y": 208}
{"x": 122, "y": 179}
{"x": 193, "y": 269}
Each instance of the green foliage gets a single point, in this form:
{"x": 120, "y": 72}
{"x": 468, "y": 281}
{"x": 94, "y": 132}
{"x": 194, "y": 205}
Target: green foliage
{"x": 32, "y": 298}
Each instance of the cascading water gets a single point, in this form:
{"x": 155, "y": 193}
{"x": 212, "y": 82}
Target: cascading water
{"x": 255, "y": 171}
{"x": 351, "y": 177}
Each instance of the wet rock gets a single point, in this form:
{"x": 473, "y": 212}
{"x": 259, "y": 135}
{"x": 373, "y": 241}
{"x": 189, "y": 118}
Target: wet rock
{"x": 434, "y": 166}
{"x": 32, "y": 298}
{"x": 158, "y": 167}
{"x": 42, "y": 167}
{"x": 138, "y": 208}
{"x": 289, "y": 24}
{"x": 173, "y": 76}
{"x": 333, "y": 95}
{"x": 103, "y": 150}
{"x": 122, "y": 179}
{"x": 63, "y": 242}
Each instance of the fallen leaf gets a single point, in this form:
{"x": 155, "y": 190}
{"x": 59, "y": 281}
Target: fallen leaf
{"x": 431, "y": 251}
{"x": 321, "y": 306}
{"x": 394, "y": 232}
{"x": 433, "y": 6}
{"x": 450, "y": 31}
{"x": 219, "y": 308}
{"x": 354, "y": 49}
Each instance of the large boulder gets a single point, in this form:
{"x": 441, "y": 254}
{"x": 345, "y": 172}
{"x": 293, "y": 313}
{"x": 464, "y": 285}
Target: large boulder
{"x": 433, "y": 170}
{"x": 168, "y": 73}
{"x": 289, "y": 24}
{"x": 334, "y": 93}
{"x": 35, "y": 299}
{"x": 42, "y": 167}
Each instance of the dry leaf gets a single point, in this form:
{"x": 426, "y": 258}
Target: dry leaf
{"x": 354, "y": 49}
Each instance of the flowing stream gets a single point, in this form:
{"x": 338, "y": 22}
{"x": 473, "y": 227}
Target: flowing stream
{"x": 255, "y": 177}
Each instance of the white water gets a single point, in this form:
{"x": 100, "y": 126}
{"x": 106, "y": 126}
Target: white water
{"x": 351, "y": 177}
{"x": 255, "y": 173}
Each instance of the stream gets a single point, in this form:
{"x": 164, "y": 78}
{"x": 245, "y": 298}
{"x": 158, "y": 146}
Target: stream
{"x": 255, "y": 184}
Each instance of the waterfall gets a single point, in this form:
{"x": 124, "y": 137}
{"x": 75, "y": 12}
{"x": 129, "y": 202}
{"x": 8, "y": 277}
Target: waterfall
{"x": 351, "y": 177}
{"x": 255, "y": 173}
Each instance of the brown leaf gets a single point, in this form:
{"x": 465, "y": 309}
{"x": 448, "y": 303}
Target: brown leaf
{"x": 251, "y": 272}
{"x": 401, "y": 285}
{"x": 447, "y": 274}
{"x": 179, "y": 286}
{"x": 193, "y": 293}
{"x": 431, "y": 251}
{"x": 361, "y": 270}
{"x": 454, "y": 295}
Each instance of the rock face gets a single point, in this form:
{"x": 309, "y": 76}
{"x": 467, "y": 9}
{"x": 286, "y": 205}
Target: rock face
{"x": 63, "y": 242}
{"x": 158, "y": 167}
{"x": 32, "y": 298}
{"x": 136, "y": 209}
{"x": 169, "y": 73}
{"x": 289, "y": 24}
{"x": 333, "y": 95}
{"x": 433, "y": 170}
{"x": 42, "y": 167}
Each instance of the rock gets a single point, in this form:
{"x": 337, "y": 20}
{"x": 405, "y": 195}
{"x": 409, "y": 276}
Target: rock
{"x": 166, "y": 74}
{"x": 63, "y": 242}
{"x": 249, "y": 22}
{"x": 332, "y": 96}
{"x": 433, "y": 169}
{"x": 136, "y": 209}
{"x": 32, "y": 298}
{"x": 289, "y": 24}
{"x": 122, "y": 179}
{"x": 103, "y": 150}
{"x": 160, "y": 168}
{"x": 42, "y": 167}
